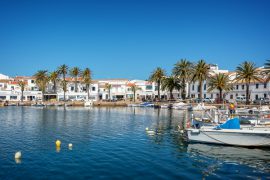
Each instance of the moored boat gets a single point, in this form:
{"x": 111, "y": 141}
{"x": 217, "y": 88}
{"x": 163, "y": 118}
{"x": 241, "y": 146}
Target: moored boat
{"x": 202, "y": 107}
{"x": 230, "y": 133}
{"x": 181, "y": 106}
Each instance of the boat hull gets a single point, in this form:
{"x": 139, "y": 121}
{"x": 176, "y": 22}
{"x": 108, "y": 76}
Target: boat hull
{"x": 250, "y": 138}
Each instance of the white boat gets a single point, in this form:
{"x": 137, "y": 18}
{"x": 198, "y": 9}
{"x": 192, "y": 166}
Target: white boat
{"x": 242, "y": 111}
{"x": 202, "y": 107}
{"x": 262, "y": 110}
{"x": 147, "y": 104}
{"x": 230, "y": 133}
{"x": 88, "y": 103}
{"x": 181, "y": 106}
{"x": 166, "y": 106}
{"x": 133, "y": 105}
{"x": 38, "y": 105}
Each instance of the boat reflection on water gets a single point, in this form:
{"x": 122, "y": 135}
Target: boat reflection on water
{"x": 255, "y": 158}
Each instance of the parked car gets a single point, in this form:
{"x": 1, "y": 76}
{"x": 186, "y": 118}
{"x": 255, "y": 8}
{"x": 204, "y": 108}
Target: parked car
{"x": 261, "y": 101}
{"x": 208, "y": 100}
{"x": 240, "y": 99}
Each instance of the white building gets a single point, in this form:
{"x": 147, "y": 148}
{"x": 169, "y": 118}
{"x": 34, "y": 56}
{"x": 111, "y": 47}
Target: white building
{"x": 11, "y": 91}
{"x": 257, "y": 89}
{"x": 2, "y": 76}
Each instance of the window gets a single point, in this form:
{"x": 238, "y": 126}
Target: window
{"x": 237, "y": 86}
{"x": 265, "y": 95}
{"x": 193, "y": 87}
{"x": 231, "y": 96}
{"x": 12, "y": 87}
{"x": 204, "y": 96}
{"x": 93, "y": 88}
{"x": 256, "y": 96}
{"x": 236, "y": 94}
{"x": 204, "y": 87}
{"x": 72, "y": 88}
{"x": 32, "y": 81}
{"x": 265, "y": 85}
{"x": 13, "y": 97}
{"x": 148, "y": 87}
{"x": 2, "y": 97}
{"x": 198, "y": 88}
{"x": 257, "y": 86}
{"x": 243, "y": 86}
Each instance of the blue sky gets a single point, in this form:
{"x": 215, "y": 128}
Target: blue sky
{"x": 128, "y": 39}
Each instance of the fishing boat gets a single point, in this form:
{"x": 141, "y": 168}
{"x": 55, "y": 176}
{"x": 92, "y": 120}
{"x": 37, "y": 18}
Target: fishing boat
{"x": 230, "y": 133}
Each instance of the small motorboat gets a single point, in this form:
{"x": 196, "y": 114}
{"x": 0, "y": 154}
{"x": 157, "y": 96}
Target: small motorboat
{"x": 166, "y": 106}
{"x": 38, "y": 105}
{"x": 147, "y": 104}
{"x": 181, "y": 106}
{"x": 230, "y": 133}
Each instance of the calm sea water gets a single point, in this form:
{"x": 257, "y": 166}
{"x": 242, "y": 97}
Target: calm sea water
{"x": 111, "y": 143}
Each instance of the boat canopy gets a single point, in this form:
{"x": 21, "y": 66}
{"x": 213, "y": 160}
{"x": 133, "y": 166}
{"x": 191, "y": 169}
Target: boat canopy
{"x": 230, "y": 124}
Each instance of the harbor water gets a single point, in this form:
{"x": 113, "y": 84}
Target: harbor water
{"x": 112, "y": 143}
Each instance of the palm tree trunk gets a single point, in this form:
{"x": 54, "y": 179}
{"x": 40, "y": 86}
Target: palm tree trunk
{"x": 189, "y": 89}
{"x": 64, "y": 86}
{"x": 247, "y": 94}
{"x": 22, "y": 97}
{"x": 76, "y": 84}
{"x": 184, "y": 90}
{"x": 200, "y": 84}
{"x": 54, "y": 87}
{"x": 64, "y": 95}
{"x": 220, "y": 96}
{"x": 88, "y": 95}
{"x": 42, "y": 95}
{"x": 134, "y": 93}
{"x": 158, "y": 83}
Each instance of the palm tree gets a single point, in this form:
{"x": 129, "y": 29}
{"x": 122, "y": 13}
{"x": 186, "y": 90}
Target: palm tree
{"x": 54, "y": 78}
{"x": 86, "y": 76}
{"x": 170, "y": 83}
{"x": 62, "y": 70}
{"x": 22, "y": 85}
{"x": 221, "y": 82}
{"x": 134, "y": 88}
{"x": 156, "y": 77}
{"x": 245, "y": 73}
{"x": 182, "y": 71}
{"x": 200, "y": 73}
{"x": 42, "y": 80}
{"x": 74, "y": 72}
{"x": 108, "y": 87}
